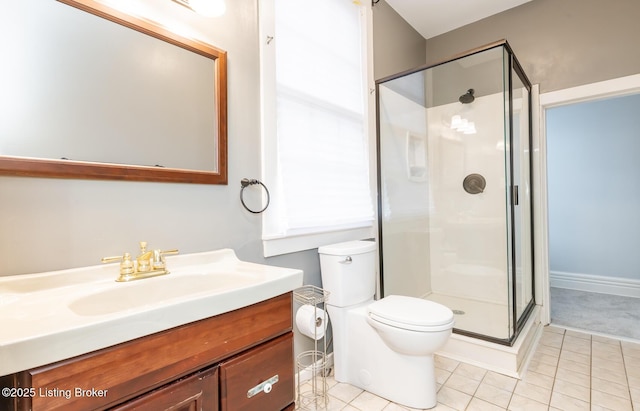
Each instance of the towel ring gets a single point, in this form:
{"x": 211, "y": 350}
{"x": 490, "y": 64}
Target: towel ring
{"x": 244, "y": 183}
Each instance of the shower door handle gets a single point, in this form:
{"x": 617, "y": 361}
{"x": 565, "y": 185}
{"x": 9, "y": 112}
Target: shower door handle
{"x": 515, "y": 195}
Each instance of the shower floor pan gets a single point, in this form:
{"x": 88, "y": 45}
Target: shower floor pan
{"x": 476, "y": 316}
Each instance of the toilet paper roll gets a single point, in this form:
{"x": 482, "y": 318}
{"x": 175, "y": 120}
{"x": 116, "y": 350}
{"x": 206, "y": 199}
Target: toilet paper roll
{"x": 311, "y": 321}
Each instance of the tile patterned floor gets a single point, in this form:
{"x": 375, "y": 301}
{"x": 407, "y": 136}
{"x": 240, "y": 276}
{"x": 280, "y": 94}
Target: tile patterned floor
{"x": 568, "y": 371}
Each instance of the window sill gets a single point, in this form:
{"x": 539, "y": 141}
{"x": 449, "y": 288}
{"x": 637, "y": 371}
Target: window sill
{"x": 291, "y": 244}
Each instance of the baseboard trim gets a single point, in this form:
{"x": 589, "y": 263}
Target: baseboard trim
{"x": 595, "y": 283}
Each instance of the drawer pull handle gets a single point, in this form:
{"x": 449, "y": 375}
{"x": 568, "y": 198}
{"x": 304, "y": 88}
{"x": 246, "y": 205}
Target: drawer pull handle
{"x": 265, "y": 386}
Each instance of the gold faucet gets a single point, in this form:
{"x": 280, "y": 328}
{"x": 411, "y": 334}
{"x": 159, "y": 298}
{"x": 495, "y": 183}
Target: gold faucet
{"x": 147, "y": 264}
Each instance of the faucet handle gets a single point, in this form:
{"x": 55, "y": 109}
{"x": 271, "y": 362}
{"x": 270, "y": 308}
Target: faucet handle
{"x": 114, "y": 258}
{"x": 158, "y": 258}
{"x": 126, "y": 265}
{"x": 168, "y": 252}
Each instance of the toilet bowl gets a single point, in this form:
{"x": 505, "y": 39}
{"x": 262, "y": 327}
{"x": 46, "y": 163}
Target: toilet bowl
{"x": 409, "y": 325}
{"x": 385, "y": 347}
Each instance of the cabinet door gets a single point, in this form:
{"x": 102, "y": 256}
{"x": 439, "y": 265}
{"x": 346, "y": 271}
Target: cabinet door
{"x": 196, "y": 393}
{"x": 240, "y": 376}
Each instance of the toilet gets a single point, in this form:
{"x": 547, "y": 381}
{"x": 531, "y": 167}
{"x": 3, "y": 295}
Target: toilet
{"x": 385, "y": 347}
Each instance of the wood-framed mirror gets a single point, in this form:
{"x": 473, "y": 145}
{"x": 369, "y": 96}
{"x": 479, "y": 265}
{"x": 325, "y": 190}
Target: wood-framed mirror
{"x": 194, "y": 99}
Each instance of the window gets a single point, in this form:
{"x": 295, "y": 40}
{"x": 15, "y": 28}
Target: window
{"x": 316, "y": 121}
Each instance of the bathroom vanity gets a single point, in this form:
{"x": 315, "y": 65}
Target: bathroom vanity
{"x": 210, "y": 364}
{"x": 229, "y": 349}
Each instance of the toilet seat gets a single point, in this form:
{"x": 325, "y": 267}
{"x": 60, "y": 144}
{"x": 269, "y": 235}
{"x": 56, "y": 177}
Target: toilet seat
{"x": 410, "y": 313}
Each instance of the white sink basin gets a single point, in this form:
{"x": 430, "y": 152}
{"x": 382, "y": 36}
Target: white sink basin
{"x": 48, "y": 317}
{"x": 47, "y": 281}
{"x": 130, "y": 296}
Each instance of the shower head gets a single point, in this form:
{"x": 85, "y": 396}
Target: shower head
{"x": 467, "y": 97}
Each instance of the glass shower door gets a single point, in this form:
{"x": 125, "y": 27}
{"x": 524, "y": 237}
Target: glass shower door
{"x": 522, "y": 210}
{"x": 452, "y": 228}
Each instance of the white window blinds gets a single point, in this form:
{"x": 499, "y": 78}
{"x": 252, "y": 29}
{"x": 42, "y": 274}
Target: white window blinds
{"x": 321, "y": 157}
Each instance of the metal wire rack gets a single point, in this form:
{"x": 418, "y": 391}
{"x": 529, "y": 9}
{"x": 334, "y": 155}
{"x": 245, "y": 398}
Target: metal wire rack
{"x": 311, "y": 366}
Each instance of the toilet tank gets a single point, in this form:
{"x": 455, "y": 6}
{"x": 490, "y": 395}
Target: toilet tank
{"x": 348, "y": 272}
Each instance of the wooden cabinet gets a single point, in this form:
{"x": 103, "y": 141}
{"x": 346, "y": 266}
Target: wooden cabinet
{"x": 206, "y": 365}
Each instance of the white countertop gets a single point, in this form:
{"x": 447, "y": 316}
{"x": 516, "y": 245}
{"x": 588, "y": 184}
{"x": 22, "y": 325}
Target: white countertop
{"x": 48, "y": 317}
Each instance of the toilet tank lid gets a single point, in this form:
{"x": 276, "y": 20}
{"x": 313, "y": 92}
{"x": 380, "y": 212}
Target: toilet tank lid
{"x": 348, "y": 248}
{"x": 410, "y": 311}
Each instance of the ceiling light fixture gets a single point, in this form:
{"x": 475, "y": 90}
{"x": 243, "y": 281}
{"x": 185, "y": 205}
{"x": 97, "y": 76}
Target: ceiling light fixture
{"x": 206, "y": 8}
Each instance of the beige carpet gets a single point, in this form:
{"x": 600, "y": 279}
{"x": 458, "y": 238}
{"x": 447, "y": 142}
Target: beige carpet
{"x": 603, "y": 313}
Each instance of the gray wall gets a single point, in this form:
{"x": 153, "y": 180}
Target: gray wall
{"x": 560, "y": 43}
{"x": 396, "y": 45}
{"x": 50, "y": 224}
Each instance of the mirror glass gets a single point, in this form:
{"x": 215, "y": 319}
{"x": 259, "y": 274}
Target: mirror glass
{"x": 90, "y": 92}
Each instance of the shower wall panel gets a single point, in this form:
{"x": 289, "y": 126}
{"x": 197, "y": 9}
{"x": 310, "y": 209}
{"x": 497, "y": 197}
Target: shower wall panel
{"x": 406, "y": 195}
{"x": 468, "y": 231}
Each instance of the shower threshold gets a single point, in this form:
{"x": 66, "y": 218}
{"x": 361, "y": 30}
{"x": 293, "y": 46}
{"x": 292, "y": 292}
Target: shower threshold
{"x": 503, "y": 359}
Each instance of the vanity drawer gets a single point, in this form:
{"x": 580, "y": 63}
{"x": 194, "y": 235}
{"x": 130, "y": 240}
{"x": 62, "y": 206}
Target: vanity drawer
{"x": 196, "y": 393}
{"x": 267, "y": 362}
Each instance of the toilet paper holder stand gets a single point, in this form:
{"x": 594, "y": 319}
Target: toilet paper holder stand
{"x": 312, "y": 366}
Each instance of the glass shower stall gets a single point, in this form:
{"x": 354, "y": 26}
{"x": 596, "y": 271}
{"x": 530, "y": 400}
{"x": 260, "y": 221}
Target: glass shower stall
{"x": 454, "y": 184}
